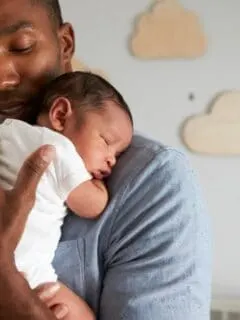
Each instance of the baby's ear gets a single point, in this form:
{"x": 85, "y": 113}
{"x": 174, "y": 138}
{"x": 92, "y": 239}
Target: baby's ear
{"x": 60, "y": 112}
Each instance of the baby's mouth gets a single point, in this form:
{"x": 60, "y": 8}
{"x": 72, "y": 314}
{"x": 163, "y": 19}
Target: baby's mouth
{"x": 101, "y": 174}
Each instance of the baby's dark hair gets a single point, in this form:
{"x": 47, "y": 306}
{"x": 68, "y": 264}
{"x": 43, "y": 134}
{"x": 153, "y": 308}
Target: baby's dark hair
{"x": 83, "y": 89}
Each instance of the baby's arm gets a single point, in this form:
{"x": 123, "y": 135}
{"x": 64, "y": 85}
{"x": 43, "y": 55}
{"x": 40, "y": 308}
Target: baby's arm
{"x": 89, "y": 199}
{"x": 85, "y": 196}
{"x": 77, "y": 307}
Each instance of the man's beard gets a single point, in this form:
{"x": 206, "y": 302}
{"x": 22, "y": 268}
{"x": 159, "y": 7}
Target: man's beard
{"x": 18, "y": 103}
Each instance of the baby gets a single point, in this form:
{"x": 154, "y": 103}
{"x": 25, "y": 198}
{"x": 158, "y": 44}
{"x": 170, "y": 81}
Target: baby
{"x": 90, "y": 125}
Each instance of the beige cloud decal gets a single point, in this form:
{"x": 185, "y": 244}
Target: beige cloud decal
{"x": 218, "y": 132}
{"x": 78, "y": 65}
{"x": 168, "y": 31}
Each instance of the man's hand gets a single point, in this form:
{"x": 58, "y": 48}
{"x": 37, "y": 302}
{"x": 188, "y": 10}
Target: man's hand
{"x": 16, "y": 204}
{"x": 18, "y": 301}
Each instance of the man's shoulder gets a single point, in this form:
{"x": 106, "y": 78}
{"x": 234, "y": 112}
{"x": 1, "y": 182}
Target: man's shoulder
{"x": 144, "y": 157}
{"x": 148, "y": 148}
{"x": 148, "y": 143}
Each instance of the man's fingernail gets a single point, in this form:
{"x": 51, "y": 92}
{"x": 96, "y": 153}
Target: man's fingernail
{"x": 48, "y": 153}
{"x": 61, "y": 311}
{"x": 49, "y": 292}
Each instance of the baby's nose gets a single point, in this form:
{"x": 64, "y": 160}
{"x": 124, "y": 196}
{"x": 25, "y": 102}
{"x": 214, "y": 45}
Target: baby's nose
{"x": 111, "y": 161}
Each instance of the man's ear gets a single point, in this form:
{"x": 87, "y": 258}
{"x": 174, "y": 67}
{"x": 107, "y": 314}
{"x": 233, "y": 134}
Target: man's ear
{"x": 60, "y": 113}
{"x": 67, "y": 45}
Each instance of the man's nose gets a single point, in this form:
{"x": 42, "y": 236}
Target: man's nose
{"x": 9, "y": 78}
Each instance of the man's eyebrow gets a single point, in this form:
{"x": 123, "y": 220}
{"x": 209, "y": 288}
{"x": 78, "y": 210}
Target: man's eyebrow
{"x": 15, "y": 27}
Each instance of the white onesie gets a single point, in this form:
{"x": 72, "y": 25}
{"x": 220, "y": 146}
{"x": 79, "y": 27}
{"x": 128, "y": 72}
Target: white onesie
{"x": 35, "y": 251}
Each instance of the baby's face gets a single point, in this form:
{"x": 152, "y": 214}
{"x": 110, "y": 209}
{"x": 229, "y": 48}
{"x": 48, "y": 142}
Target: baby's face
{"x": 102, "y": 136}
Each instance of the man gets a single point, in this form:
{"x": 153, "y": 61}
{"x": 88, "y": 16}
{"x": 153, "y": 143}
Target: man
{"x": 148, "y": 256}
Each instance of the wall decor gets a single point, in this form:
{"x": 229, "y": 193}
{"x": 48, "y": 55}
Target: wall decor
{"x": 168, "y": 30}
{"x": 218, "y": 132}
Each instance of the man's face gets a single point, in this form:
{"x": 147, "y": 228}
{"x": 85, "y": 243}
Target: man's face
{"x": 32, "y": 51}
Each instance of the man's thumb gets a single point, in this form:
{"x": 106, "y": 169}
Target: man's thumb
{"x": 32, "y": 170}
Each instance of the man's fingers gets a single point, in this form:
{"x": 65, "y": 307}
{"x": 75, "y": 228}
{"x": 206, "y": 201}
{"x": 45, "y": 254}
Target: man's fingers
{"x": 33, "y": 169}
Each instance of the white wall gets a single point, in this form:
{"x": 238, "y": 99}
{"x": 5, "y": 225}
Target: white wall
{"x": 158, "y": 95}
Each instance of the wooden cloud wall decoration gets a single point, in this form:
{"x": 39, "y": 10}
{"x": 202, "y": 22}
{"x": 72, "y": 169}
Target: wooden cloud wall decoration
{"x": 218, "y": 132}
{"x": 168, "y": 30}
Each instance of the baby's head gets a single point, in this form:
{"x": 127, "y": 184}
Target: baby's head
{"x": 92, "y": 114}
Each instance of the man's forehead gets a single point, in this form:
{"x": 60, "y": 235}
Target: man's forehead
{"x": 12, "y": 28}
{"x": 8, "y": 6}
{"x": 15, "y": 10}
{"x": 17, "y": 14}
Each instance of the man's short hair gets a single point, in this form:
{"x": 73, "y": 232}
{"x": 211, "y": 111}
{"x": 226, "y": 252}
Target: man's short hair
{"x": 53, "y": 9}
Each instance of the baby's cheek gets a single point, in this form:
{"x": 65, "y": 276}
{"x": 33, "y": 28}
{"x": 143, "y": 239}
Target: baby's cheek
{"x": 97, "y": 158}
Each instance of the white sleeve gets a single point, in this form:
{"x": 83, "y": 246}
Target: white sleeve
{"x": 70, "y": 170}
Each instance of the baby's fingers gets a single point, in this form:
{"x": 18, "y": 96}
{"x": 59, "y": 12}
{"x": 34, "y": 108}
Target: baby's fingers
{"x": 47, "y": 292}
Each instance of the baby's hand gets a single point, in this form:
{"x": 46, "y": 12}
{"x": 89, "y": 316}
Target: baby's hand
{"x": 64, "y": 303}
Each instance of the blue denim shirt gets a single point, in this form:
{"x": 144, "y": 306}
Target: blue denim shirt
{"x": 148, "y": 256}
